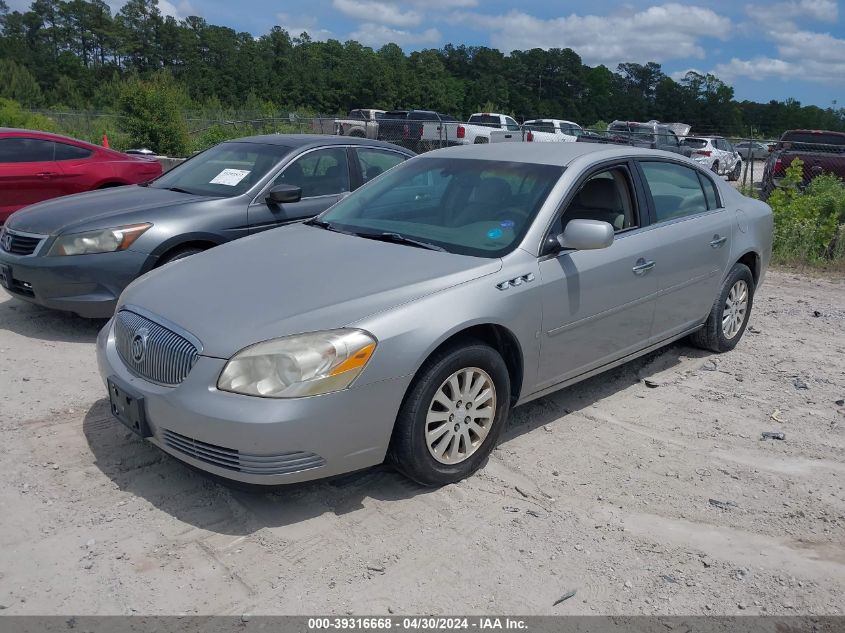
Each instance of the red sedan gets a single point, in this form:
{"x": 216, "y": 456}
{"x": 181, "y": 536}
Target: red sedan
{"x": 35, "y": 166}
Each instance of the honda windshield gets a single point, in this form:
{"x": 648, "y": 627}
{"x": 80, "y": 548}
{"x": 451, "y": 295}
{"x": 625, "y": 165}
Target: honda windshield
{"x": 224, "y": 171}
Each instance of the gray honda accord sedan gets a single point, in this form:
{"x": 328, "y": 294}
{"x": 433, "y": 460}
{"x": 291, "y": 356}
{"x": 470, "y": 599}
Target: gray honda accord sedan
{"x": 78, "y": 253}
{"x": 407, "y": 320}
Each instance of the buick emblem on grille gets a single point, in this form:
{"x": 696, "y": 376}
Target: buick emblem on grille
{"x": 7, "y": 241}
{"x": 139, "y": 344}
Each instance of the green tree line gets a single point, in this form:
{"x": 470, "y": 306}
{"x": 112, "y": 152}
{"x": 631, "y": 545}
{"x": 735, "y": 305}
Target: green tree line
{"x": 77, "y": 54}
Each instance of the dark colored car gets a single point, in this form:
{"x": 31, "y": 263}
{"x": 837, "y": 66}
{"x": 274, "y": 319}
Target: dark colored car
{"x": 755, "y": 149}
{"x": 651, "y": 135}
{"x": 79, "y": 253}
{"x": 418, "y": 130}
{"x": 822, "y": 151}
{"x": 36, "y": 166}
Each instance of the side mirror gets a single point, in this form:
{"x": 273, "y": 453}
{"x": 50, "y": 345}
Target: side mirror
{"x": 585, "y": 235}
{"x": 281, "y": 194}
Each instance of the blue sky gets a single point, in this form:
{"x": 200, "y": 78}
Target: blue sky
{"x": 765, "y": 50}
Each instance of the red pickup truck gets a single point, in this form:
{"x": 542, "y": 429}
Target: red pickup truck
{"x": 822, "y": 151}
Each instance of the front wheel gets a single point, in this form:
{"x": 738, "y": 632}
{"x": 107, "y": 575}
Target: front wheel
{"x": 728, "y": 317}
{"x": 452, "y": 415}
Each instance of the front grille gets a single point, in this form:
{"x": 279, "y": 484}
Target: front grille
{"x": 249, "y": 463}
{"x": 18, "y": 244}
{"x": 153, "y": 351}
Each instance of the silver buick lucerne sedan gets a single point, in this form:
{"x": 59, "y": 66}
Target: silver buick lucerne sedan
{"x": 406, "y": 321}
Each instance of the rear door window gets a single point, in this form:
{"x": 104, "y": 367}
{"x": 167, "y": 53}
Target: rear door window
{"x": 675, "y": 189}
{"x": 26, "y": 150}
{"x": 72, "y": 152}
{"x": 374, "y": 162}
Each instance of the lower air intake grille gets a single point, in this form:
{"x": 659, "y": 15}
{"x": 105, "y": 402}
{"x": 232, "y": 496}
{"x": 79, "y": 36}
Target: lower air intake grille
{"x": 249, "y": 463}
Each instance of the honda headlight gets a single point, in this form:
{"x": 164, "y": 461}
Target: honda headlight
{"x": 100, "y": 241}
{"x": 301, "y": 365}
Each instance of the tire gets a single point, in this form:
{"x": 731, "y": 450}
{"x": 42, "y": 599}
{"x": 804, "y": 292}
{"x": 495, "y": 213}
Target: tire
{"x": 409, "y": 449}
{"x": 179, "y": 253}
{"x": 715, "y": 167}
{"x": 712, "y": 336}
{"x": 480, "y": 140}
{"x": 736, "y": 173}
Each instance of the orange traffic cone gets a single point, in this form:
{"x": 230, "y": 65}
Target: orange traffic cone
{"x": 105, "y": 141}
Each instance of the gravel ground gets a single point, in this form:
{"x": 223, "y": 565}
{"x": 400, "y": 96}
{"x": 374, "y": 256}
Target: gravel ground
{"x": 644, "y": 500}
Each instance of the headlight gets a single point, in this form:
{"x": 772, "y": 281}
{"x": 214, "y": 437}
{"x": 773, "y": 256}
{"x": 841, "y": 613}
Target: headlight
{"x": 101, "y": 241}
{"x": 301, "y": 365}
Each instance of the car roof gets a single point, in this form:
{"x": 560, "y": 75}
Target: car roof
{"x": 552, "y": 120}
{"x": 296, "y": 141}
{"x": 12, "y": 131}
{"x": 544, "y": 153}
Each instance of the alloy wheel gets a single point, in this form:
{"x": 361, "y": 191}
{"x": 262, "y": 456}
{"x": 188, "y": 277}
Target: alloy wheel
{"x": 736, "y": 305}
{"x": 460, "y": 415}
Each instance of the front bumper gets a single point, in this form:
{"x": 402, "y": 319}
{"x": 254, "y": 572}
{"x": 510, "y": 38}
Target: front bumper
{"x": 88, "y": 285}
{"x": 227, "y": 434}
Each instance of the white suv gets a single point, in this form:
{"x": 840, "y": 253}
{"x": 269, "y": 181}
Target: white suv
{"x": 716, "y": 153}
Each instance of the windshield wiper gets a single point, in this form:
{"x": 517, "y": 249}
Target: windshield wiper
{"x": 398, "y": 238}
{"x": 178, "y": 190}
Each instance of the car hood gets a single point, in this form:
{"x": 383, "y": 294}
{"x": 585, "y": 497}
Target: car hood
{"x": 291, "y": 280}
{"x": 95, "y": 209}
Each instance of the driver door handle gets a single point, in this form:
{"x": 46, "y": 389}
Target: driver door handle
{"x": 642, "y": 266}
{"x": 718, "y": 242}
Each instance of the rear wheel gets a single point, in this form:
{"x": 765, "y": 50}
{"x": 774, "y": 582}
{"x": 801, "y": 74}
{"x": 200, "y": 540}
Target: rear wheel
{"x": 452, "y": 415}
{"x": 736, "y": 173}
{"x": 715, "y": 167}
{"x": 728, "y": 317}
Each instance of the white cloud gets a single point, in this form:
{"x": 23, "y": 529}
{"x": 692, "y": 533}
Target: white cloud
{"x": 802, "y": 54}
{"x": 296, "y": 25}
{"x": 819, "y": 10}
{"x": 180, "y": 10}
{"x": 377, "y": 11}
{"x": 376, "y": 35}
{"x": 658, "y": 33}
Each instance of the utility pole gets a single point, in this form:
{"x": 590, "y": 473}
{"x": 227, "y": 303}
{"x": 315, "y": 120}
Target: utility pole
{"x": 539, "y": 91}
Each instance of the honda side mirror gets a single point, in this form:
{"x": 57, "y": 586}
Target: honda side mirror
{"x": 282, "y": 194}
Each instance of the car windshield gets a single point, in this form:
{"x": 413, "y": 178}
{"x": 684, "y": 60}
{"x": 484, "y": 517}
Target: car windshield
{"x": 470, "y": 207}
{"x": 224, "y": 171}
{"x": 695, "y": 142}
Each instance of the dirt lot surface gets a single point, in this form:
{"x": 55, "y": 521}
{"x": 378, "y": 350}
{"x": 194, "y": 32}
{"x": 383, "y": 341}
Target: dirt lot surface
{"x": 660, "y": 499}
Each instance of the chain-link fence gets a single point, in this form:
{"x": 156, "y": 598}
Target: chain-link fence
{"x": 756, "y": 165}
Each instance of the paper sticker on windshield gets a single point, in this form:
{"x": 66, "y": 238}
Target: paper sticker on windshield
{"x": 229, "y": 177}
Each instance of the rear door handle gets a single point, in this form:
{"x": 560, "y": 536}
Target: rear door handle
{"x": 642, "y": 266}
{"x": 718, "y": 242}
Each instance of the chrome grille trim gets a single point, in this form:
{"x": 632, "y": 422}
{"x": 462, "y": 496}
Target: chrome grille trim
{"x": 168, "y": 358}
{"x": 249, "y": 463}
{"x": 21, "y": 244}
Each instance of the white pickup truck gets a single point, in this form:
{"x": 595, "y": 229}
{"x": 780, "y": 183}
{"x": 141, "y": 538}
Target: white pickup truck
{"x": 486, "y": 127}
{"x": 541, "y": 131}
{"x": 361, "y": 123}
